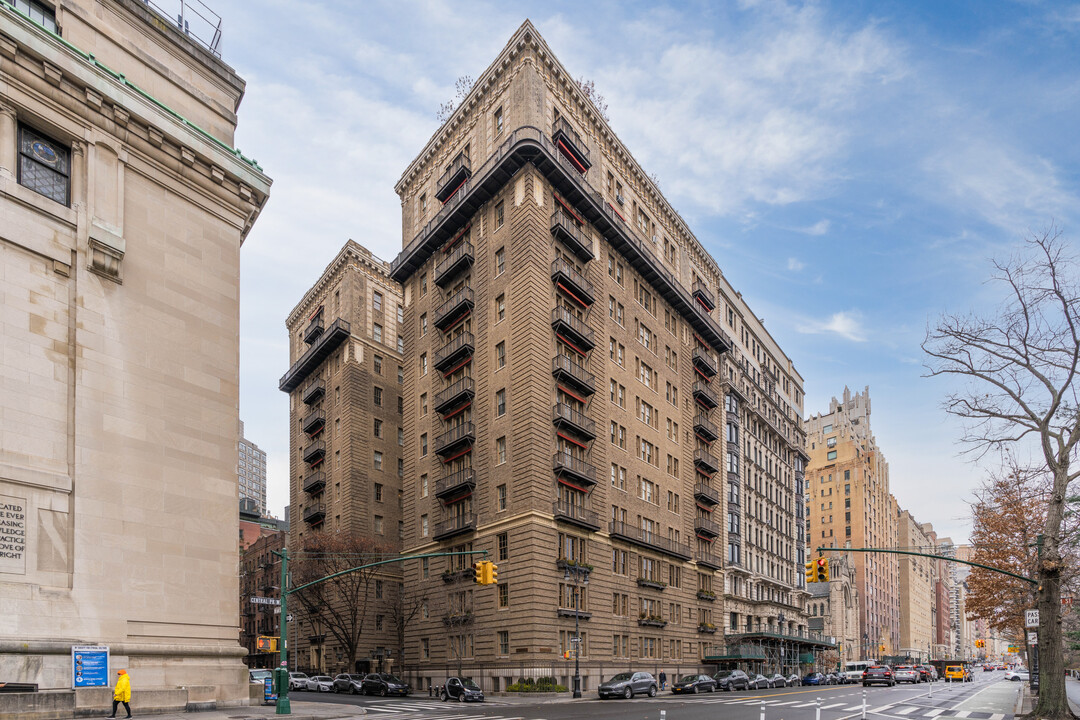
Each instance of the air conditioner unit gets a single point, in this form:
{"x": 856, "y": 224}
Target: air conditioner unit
{"x": 656, "y": 239}
{"x": 620, "y": 199}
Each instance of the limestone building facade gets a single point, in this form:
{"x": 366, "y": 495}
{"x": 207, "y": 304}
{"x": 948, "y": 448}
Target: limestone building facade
{"x": 584, "y": 390}
{"x": 346, "y": 439}
{"x": 123, "y": 207}
{"x": 917, "y": 595}
{"x": 849, "y": 505}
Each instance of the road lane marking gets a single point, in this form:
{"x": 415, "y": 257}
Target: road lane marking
{"x": 834, "y": 705}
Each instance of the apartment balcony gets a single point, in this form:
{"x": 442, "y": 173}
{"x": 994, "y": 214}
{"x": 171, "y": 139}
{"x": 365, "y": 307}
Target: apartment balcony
{"x": 456, "y": 485}
{"x": 706, "y": 528}
{"x": 457, "y": 525}
{"x": 706, "y": 495}
{"x": 313, "y": 392}
{"x": 313, "y": 357}
{"x": 576, "y": 472}
{"x": 571, "y": 330}
{"x": 314, "y": 329}
{"x": 315, "y": 451}
{"x": 455, "y": 397}
{"x": 706, "y": 462}
{"x": 456, "y": 308}
{"x": 572, "y": 514}
{"x": 571, "y": 145}
{"x": 459, "y": 257}
{"x": 707, "y": 559}
{"x": 313, "y": 422}
{"x": 650, "y": 540}
{"x": 453, "y": 353}
{"x": 453, "y": 178}
{"x": 456, "y": 438}
{"x": 567, "y": 278}
{"x": 571, "y": 373}
{"x": 704, "y": 362}
{"x": 705, "y": 430}
{"x": 567, "y": 418}
{"x": 704, "y": 296}
{"x": 566, "y": 230}
{"x": 315, "y": 482}
{"x": 705, "y": 395}
{"x": 314, "y": 514}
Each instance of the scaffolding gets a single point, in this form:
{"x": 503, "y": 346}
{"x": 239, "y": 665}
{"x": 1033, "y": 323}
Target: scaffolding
{"x": 768, "y": 652}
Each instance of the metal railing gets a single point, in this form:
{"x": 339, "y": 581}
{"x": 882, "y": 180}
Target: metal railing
{"x": 455, "y": 480}
{"x": 561, "y": 125}
{"x": 316, "y": 387}
{"x": 560, "y": 266}
{"x": 707, "y": 492}
{"x": 463, "y": 340}
{"x": 566, "y": 461}
{"x": 707, "y": 526}
{"x": 464, "y": 295}
{"x": 563, "y": 412}
{"x": 701, "y": 388}
{"x": 313, "y": 512}
{"x": 702, "y": 357}
{"x": 570, "y": 511}
{"x": 703, "y": 290}
{"x": 706, "y": 459}
{"x": 465, "y": 249}
{"x": 207, "y": 22}
{"x": 458, "y": 523}
{"x": 650, "y": 539}
{"x": 564, "y": 316}
{"x": 460, "y": 163}
{"x": 465, "y": 384}
{"x": 707, "y": 558}
{"x": 455, "y": 434}
{"x": 710, "y": 428}
{"x": 563, "y": 364}
{"x": 314, "y": 482}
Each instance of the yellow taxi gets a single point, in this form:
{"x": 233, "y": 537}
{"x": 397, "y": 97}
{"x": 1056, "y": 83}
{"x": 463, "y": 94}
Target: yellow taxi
{"x": 957, "y": 673}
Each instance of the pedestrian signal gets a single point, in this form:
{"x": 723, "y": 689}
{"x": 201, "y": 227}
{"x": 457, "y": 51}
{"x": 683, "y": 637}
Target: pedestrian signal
{"x": 264, "y": 643}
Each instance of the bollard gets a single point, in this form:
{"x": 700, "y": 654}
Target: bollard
{"x": 762, "y": 710}
{"x": 817, "y": 711}
{"x": 864, "y": 705}
{"x": 931, "y": 687}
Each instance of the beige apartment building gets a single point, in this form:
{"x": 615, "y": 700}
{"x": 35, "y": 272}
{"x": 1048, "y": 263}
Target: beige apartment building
{"x": 849, "y": 505}
{"x": 346, "y": 438}
{"x": 585, "y": 397}
{"x": 917, "y": 597}
{"x": 123, "y": 207}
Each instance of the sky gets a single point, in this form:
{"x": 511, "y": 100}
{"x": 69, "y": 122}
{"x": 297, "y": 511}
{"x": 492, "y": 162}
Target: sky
{"x": 852, "y": 166}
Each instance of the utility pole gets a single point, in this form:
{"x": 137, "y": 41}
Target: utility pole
{"x": 281, "y": 673}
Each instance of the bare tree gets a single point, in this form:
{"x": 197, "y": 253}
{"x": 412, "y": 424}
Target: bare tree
{"x": 462, "y": 87}
{"x": 402, "y": 607}
{"x": 1018, "y": 391}
{"x": 340, "y": 604}
{"x": 588, "y": 88}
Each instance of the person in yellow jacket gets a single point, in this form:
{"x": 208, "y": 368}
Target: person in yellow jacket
{"x": 122, "y": 693}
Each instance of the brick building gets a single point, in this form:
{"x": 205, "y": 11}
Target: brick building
{"x": 584, "y": 389}
{"x": 260, "y": 578}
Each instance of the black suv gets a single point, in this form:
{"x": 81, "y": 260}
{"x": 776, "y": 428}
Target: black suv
{"x": 878, "y": 674}
{"x": 383, "y": 684}
{"x": 732, "y": 680}
{"x": 462, "y": 690}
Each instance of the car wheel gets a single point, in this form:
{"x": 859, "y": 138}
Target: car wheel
{"x": 382, "y": 692}
{"x": 628, "y": 693}
{"x": 444, "y": 697}
{"x": 652, "y": 691}
{"x": 866, "y": 684}
{"x": 693, "y": 690}
{"x": 461, "y": 698}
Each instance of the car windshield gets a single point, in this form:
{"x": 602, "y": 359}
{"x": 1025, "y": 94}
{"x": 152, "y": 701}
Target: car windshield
{"x": 621, "y": 677}
{"x": 391, "y": 679}
{"x": 260, "y": 673}
{"x": 688, "y": 678}
{"x": 470, "y": 684}
{"x": 722, "y": 674}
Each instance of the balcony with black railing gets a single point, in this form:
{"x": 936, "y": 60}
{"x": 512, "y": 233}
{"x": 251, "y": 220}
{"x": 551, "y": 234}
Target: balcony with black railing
{"x": 567, "y": 418}
{"x": 572, "y": 330}
{"x": 315, "y": 482}
{"x": 651, "y": 540}
{"x": 315, "y": 514}
{"x": 704, "y": 296}
{"x": 456, "y": 438}
{"x": 313, "y": 392}
{"x": 314, "y": 329}
{"x": 453, "y": 178}
{"x": 708, "y": 560}
{"x": 456, "y": 485}
{"x": 570, "y": 144}
{"x": 452, "y": 353}
{"x": 454, "y": 526}
{"x": 706, "y": 495}
{"x": 566, "y": 371}
{"x": 706, "y": 528}
{"x": 313, "y": 422}
{"x": 569, "y": 280}
{"x": 454, "y": 309}
{"x": 315, "y": 451}
{"x": 566, "y": 230}
{"x": 574, "y": 514}
{"x": 706, "y": 461}
{"x": 573, "y": 470}
{"x": 704, "y": 362}
{"x": 705, "y": 395}
{"x": 313, "y": 357}
{"x": 458, "y": 258}
{"x": 705, "y": 430}
{"x": 455, "y": 396}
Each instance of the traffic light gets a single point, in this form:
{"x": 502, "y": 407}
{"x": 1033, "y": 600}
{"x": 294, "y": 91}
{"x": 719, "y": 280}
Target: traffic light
{"x": 264, "y": 643}
{"x": 478, "y": 570}
{"x": 811, "y": 576}
{"x": 821, "y": 569}
{"x": 492, "y": 576}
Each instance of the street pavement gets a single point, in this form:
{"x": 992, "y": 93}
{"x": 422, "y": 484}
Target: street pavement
{"x": 988, "y": 698}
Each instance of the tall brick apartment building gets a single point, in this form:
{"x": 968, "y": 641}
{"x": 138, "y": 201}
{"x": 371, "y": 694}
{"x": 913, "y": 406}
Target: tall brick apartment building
{"x": 583, "y": 388}
{"x": 849, "y": 505}
{"x": 346, "y": 435}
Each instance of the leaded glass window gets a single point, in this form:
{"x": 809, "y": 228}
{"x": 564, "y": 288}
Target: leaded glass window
{"x": 44, "y": 166}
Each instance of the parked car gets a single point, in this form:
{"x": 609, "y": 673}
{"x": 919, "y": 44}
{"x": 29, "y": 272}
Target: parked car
{"x": 298, "y": 681}
{"x": 815, "y": 678}
{"x": 777, "y": 680}
{"x": 906, "y": 673}
{"x": 462, "y": 690}
{"x": 346, "y": 683}
{"x": 759, "y": 682}
{"x": 320, "y": 683}
{"x": 831, "y": 679}
{"x": 732, "y": 680}
{"x": 878, "y": 674}
{"x": 793, "y": 680}
{"x": 627, "y": 685}
{"x": 693, "y": 684}
{"x": 383, "y": 684}
{"x": 257, "y": 676}
{"x": 1018, "y": 675}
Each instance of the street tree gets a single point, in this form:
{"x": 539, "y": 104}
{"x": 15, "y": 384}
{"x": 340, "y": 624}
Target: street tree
{"x": 1017, "y": 391}
{"x": 402, "y": 606}
{"x": 339, "y": 605}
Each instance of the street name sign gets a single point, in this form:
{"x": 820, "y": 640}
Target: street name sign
{"x": 265, "y": 601}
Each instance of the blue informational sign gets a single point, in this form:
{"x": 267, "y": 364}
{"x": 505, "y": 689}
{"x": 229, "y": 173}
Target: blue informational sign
{"x": 89, "y": 666}
{"x": 268, "y": 689}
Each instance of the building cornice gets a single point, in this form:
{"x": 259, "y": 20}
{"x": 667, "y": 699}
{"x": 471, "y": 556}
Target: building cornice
{"x": 351, "y": 253}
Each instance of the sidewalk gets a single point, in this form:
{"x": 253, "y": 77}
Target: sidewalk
{"x": 300, "y": 711}
{"x": 1025, "y": 703}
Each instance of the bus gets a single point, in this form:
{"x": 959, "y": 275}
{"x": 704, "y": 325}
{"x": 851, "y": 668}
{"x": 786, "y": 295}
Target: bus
{"x": 853, "y": 670}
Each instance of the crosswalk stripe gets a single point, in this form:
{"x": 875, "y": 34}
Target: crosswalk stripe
{"x": 835, "y": 705}
{"x": 882, "y": 708}
{"x": 906, "y": 711}
{"x": 933, "y": 713}
{"x": 997, "y": 716}
{"x": 962, "y": 714}
{"x": 853, "y": 708}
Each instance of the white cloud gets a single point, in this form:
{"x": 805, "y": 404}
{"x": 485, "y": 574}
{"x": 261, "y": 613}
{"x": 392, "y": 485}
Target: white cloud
{"x": 819, "y": 228}
{"x": 795, "y": 265}
{"x": 846, "y": 324}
